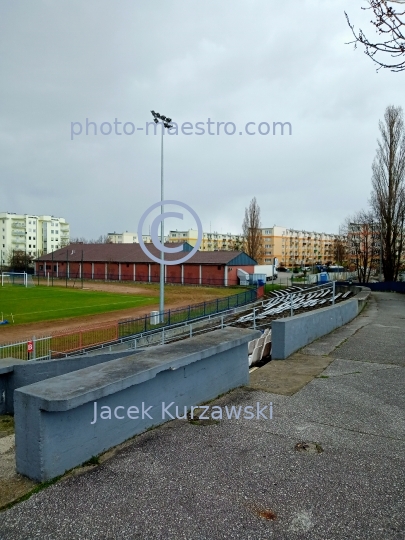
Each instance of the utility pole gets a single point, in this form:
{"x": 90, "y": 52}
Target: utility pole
{"x": 381, "y": 252}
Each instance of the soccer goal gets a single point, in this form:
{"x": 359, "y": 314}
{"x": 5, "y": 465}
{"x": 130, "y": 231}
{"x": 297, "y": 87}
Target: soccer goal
{"x": 17, "y": 278}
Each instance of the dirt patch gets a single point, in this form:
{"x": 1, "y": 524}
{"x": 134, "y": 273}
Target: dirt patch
{"x": 309, "y": 447}
{"x": 6, "y": 427}
{"x": 176, "y": 296}
{"x": 12, "y": 485}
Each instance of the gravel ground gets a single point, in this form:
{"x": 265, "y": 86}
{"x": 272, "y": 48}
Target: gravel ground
{"x": 244, "y": 479}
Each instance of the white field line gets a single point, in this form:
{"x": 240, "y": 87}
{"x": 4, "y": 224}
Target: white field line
{"x": 79, "y": 307}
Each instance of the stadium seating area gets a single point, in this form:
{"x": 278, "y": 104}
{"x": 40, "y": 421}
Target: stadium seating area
{"x": 280, "y": 301}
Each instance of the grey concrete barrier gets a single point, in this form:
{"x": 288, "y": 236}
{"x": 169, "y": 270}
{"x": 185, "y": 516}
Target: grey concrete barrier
{"x": 292, "y": 333}
{"x": 58, "y": 422}
{"x": 6, "y": 369}
{"x": 17, "y": 373}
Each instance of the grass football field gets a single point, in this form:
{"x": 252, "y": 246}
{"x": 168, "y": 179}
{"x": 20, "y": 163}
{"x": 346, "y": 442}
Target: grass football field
{"x": 34, "y": 304}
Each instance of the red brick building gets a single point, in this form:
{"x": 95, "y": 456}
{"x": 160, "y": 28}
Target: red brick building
{"x": 127, "y": 262}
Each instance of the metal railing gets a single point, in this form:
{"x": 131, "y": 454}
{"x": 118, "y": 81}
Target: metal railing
{"x": 163, "y": 335}
{"x": 189, "y": 313}
{"x": 31, "y": 349}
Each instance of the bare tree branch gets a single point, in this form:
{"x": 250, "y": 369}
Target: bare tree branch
{"x": 100, "y": 240}
{"x": 390, "y": 25}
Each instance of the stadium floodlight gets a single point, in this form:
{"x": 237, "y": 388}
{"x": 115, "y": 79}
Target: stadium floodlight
{"x": 165, "y": 125}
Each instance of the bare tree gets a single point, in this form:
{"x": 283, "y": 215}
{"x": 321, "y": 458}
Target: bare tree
{"x": 18, "y": 260}
{"x": 388, "y": 195}
{"x": 237, "y": 244}
{"x": 390, "y": 25}
{"x": 363, "y": 235}
{"x": 102, "y": 239}
{"x": 340, "y": 254}
{"x": 251, "y": 231}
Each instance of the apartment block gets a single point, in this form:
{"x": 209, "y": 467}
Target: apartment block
{"x": 212, "y": 241}
{"x": 35, "y": 235}
{"x": 295, "y": 247}
{"x": 127, "y": 238}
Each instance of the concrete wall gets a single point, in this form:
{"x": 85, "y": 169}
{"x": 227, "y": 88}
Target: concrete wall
{"x": 6, "y": 369}
{"x": 54, "y": 419}
{"x": 292, "y": 333}
{"x": 17, "y": 373}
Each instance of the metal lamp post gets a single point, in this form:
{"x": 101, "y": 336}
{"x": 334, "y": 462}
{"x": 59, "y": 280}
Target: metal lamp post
{"x": 380, "y": 277}
{"x": 165, "y": 124}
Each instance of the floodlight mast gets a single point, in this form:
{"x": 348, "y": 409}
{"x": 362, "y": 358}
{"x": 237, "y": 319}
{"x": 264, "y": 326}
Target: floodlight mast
{"x": 165, "y": 124}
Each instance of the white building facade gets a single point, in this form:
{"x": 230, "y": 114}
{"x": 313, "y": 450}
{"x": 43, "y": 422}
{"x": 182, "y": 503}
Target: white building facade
{"x": 32, "y": 234}
{"x": 127, "y": 238}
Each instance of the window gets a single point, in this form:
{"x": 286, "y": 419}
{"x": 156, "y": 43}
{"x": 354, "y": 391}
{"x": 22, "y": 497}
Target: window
{"x": 30, "y": 238}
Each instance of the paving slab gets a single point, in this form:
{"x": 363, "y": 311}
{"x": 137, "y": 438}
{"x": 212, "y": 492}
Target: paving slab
{"x": 290, "y": 375}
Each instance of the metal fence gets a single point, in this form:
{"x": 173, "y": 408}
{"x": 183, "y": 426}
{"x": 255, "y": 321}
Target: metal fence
{"x": 189, "y": 313}
{"x": 205, "y": 280}
{"x": 384, "y": 286}
{"x": 36, "y": 348}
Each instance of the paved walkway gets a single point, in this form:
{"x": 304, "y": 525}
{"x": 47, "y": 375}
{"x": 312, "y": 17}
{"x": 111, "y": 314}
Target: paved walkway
{"x": 228, "y": 480}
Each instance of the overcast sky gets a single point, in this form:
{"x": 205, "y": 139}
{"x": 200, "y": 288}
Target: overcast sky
{"x": 63, "y": 61}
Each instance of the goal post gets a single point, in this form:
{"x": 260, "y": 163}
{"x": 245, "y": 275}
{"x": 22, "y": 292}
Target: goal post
{"x": 17, "y": 278}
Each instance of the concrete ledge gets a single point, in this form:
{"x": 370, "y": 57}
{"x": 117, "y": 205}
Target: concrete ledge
{"x": 292, "y": 333}
{"x": 6, "y": 367}
{"x": 362, "y": 298}
{"x": 54, "y": 419}
{"x": 17, "y": 373}
{"x": 7, "y": 364}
